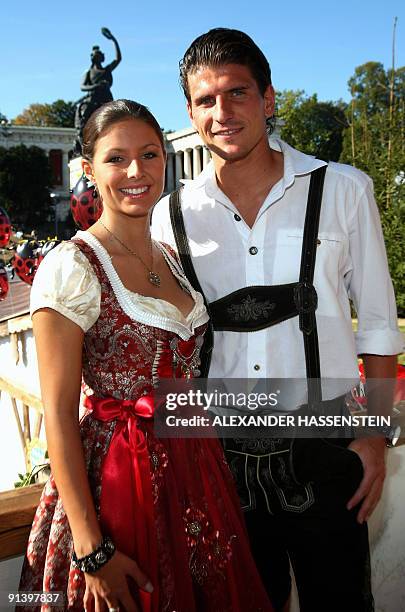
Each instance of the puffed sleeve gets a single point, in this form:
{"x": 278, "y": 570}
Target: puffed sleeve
{"x": 66, "y": 282}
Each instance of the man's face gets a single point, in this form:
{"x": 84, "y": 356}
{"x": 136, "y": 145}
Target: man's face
{"x": 228, "y": 110}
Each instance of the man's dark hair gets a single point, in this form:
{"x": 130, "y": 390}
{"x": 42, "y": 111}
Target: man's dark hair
{"x": 222, "y": 46}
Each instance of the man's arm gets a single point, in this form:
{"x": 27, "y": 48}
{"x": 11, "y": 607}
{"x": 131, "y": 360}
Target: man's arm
{"x": 378, "y": 339}
{"x": 372, "y": 450}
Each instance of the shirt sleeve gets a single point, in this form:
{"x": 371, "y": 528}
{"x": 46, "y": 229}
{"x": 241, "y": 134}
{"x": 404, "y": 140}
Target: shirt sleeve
{"x": 370, "y": 286}
{"x": 66, "y": 282}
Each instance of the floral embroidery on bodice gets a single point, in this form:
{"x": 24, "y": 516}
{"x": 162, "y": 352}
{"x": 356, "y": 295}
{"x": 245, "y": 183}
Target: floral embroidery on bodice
{"x": 120, "y": 353}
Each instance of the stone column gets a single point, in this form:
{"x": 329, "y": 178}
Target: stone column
{"x": 179, "y": 166}
{"x": 170, "y": 182}
{"x": 65, "y": 170}
{"x": 206, "y": 156}
{"x": 188, "y": 166}
{"x": 197, "y": 159}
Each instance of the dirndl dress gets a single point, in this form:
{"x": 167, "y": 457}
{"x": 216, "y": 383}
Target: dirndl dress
{"x": 169, "y": 504}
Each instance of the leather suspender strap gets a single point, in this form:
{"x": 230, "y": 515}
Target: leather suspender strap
{"x": 183, "y": 249}
{"x": 305, "y": 295}
{"x": 307, "y": 319}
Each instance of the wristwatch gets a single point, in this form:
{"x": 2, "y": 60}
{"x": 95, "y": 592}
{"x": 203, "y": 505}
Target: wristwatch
{"x": 392, "y": 435}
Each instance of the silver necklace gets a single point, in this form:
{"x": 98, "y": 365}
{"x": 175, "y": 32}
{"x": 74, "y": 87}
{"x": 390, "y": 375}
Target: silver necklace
{"x": 153, "y": 277}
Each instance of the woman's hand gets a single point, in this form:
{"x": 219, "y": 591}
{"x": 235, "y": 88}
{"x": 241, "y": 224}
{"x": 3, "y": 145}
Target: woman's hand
{"x": 108, "y": 587}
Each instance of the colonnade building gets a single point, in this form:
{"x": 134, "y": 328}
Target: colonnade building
{"x": 186, "y": 156}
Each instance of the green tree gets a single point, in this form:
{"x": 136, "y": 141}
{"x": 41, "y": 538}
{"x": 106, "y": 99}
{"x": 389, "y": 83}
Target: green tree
{"x": 312, "y": 126}
{"x": 375, "y": 142}
{"x": 25, "y": 181}
{"x": 57, "y": 114}
{"x": 393, "y": 224}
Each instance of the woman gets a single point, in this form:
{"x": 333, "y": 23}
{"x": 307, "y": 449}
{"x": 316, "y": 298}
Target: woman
{"x": 151, "y": 524}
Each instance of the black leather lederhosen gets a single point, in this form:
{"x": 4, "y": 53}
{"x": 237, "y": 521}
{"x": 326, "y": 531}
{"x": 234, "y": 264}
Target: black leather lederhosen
{"x": 276, "y": 303}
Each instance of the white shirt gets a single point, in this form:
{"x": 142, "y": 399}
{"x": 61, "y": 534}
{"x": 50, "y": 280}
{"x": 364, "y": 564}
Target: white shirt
{"x": 351, "y": 263}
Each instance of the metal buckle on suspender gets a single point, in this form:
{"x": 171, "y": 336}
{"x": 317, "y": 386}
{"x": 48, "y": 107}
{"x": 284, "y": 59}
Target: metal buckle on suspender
{"x": 306, "y": 302}
{"x": 305, "y": 298}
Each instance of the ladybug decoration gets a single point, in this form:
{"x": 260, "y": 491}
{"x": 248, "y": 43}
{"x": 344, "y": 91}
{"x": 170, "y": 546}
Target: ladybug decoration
{"x": 3, "y": 282}
{"x": 85, "y": 204}
{"x": 46, "y": 247}
{"x": 5, "y": 228}
{"x": 25, "y": 261}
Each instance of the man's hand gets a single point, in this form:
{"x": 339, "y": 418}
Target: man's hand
{"x": 372, "y": 452}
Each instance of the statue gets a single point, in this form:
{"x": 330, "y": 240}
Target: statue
{"x": 97, "y": 83}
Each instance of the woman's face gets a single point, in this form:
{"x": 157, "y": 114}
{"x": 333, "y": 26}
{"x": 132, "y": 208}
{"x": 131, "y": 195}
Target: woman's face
{"x": 129, "y": 168}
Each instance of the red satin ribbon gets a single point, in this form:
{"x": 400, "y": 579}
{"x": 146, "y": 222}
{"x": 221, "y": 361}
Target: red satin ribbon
{"x": 126, "y": 494}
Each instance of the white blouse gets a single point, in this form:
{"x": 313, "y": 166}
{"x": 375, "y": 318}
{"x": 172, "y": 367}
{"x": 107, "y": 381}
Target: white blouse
{"x": 66, "y": 282}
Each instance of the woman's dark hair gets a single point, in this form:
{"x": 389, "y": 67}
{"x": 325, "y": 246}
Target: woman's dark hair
{"x": 222, "y": 46}
{"x": 113, "y": 112}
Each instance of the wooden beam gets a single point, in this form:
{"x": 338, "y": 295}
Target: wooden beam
{"x": 20, "y": 394}
{"x": 17, "y": 509}
{"x": 18, "y": 421}
{"x": 27, "y": 425}
{"x": 38, "y": 424}
{"x": 14, "y": 543}
{"x": 27, "y": 435}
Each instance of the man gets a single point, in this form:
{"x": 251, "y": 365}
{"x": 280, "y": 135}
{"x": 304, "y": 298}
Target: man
{"x": 245, "y": 220}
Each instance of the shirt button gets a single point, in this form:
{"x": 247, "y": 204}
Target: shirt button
{"x": 237, "y": 218}
{"x": 256, "y": 367}
{"x": 253, "y": 250}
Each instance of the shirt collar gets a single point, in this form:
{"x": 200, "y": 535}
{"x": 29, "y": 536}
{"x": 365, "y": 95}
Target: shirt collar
{"x": 295, "y": 164}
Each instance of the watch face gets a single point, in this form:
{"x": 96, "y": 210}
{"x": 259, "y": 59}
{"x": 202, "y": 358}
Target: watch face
{"x": 396, "y": 433}
{"x": 393, "y": 436}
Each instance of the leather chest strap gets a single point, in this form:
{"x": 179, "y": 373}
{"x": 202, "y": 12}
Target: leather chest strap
{"x": 183, "y": 249}
{"x": 307, "y": 318}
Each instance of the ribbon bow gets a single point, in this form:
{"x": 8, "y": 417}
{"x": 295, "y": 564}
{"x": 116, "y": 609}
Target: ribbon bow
{"x": 126, "y": 504}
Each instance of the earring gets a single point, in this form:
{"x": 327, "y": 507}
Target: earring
{"x": 92, "y": 183}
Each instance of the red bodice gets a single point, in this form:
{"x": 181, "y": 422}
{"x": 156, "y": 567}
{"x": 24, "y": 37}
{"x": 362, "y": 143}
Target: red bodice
{"x": 123, "y": 358}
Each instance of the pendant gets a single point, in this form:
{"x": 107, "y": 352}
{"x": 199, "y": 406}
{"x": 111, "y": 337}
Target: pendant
{"x": 154, "y": 278}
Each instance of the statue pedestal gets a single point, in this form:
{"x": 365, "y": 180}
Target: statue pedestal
{"x": 75, "y": 169}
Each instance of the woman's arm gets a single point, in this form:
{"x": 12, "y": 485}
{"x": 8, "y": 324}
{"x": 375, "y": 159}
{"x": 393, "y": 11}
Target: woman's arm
{"x": 59, "y": 344}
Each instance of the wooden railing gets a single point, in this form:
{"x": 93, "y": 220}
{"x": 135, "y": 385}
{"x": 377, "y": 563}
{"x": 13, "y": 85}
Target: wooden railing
{"x": 28, "y": 402}
{"x": 17, "y": 509}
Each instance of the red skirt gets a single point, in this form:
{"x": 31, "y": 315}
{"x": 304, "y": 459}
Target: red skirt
{"x": 169, "y": 504}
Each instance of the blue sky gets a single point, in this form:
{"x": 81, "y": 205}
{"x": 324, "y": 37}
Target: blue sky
{"x": 315, "y": 46}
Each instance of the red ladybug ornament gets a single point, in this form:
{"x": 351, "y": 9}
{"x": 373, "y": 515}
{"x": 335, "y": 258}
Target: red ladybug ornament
{"x": 46, "y": 247}
{"x": 85, "y": 204}
{"x": 25, "y": 261}
{"x": 3, "y": 283}
{"x": 5, "y": 228}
